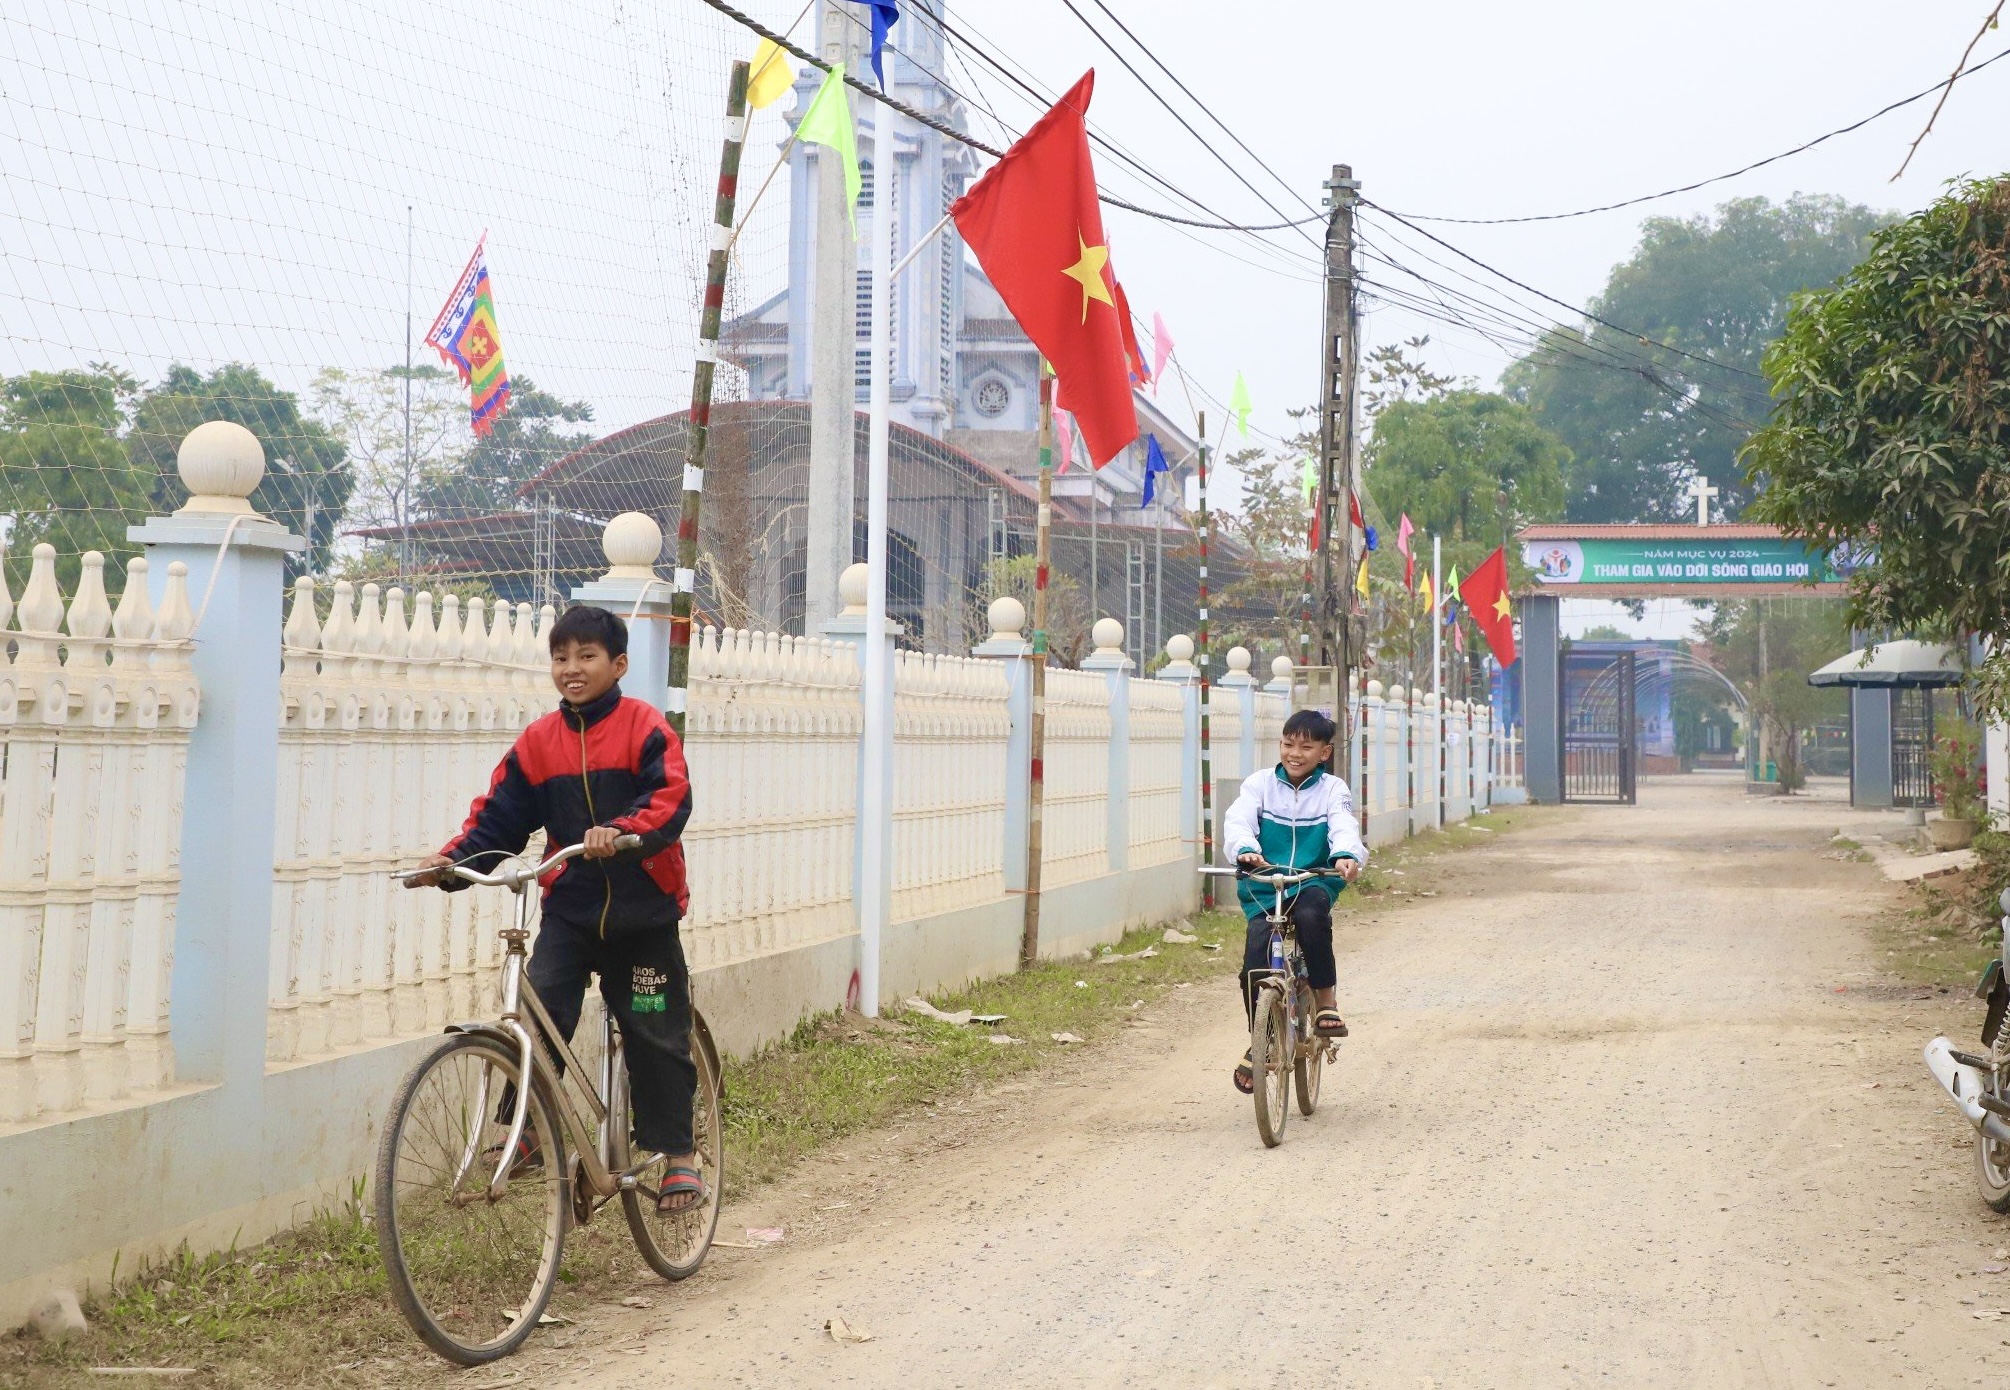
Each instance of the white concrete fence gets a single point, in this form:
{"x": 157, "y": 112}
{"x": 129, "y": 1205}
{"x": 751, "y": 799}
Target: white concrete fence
{"x": 210, "y": 1009}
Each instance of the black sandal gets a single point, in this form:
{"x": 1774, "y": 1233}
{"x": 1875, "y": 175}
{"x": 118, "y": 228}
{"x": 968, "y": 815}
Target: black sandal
{"x": 1329, "y": 1024}
{"x": 1245, "y": 1075}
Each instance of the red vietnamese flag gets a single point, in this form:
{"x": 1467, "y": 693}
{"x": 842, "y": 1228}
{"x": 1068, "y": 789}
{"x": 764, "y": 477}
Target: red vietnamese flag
{"x": 1485, "y": 593}
{"x": 1037, "y": 229}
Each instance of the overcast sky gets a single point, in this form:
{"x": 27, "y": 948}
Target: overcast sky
{"x": 203, "y": 180}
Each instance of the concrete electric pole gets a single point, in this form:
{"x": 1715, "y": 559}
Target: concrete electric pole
{"x": 833, "y": 349}
{"x": 1339, "y": 359}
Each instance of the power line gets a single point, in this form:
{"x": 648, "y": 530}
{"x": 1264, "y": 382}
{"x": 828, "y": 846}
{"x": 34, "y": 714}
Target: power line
{"x": 1716, "y": 178}
{"x": 941, "y": 128}
{"x": 1159, "y": 63}
{"x": 1561, "y": 304}
{"x": 1184, "y": 123}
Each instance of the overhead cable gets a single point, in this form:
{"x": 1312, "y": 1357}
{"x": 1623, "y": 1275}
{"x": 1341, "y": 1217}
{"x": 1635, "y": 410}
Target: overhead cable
{"x": 942, "y": 128}
{"x": 1717, "y": 178}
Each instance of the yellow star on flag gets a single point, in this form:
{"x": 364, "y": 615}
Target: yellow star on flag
{"x": 1089, "y": 271}
{"x": 1501, "y": 606}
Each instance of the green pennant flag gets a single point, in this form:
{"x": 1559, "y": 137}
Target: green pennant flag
{"x": 1239, "y": 405}
{"x": 1308, "y": 479}
{"x": 828, "y": 123}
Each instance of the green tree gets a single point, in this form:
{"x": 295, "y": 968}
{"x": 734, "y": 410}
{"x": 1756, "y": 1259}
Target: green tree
{"x": 366, "y": 411}
{"x": 1891, "y": 440}
{"x": 1470, "y": 466}
{"x": 303, "y": 460}
{"x": 527, "y": 439}
{"x": 1767, "y": 647}
{"x": 1262, "y": 607}
{"x": 1641, "y": 419}
{"x": 65, "y": 477}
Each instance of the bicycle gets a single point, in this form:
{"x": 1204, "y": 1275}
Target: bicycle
{"x": 471, "y": 1214}
{"x": 1284, "y": 1051}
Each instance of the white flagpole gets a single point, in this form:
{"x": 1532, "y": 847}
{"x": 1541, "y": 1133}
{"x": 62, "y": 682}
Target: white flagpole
{"x": 1438, "y": 662}
{"x": 877, "y": 745}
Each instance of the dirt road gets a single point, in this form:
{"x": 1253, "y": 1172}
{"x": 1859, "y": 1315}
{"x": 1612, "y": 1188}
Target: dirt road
{"x": 1627, "y": 1104}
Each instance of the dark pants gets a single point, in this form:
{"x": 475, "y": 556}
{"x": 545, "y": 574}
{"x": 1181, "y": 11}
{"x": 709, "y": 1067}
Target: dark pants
{"x": 648, "y": 990}
{"x": 1312, "y": 918}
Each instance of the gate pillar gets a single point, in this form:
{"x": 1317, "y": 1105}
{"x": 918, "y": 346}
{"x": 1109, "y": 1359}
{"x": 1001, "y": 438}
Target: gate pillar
{"x": 1542, "y": 696}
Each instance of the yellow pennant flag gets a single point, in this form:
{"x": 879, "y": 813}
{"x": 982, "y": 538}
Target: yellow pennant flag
{"x": 771, "y": 75}
{"x": 1430, "y": 599}
{"x": 1361, "y": 579}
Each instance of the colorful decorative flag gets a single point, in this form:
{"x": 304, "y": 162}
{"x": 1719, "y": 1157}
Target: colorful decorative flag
{"x": 1037, "y": 230}
{"x": 1064, "y": 439}
{"x": 828, "y": 123}
{"x": 1308, "y": 478}
{"x": 1404, "y": 530}
{"x": 1361, "y": 579}
{"x": 1430, "y": 599}
{"x": 1162, "y": 348}
{"x": 465, "y": 335}
{"x": 1133, "y": 356}
{"x": 1486, "y": 597}
{"x": 1239, "y": 405}
{"x": 1452, "y": 596}
{"x": 770, "y": 76}
{"x": 1155, "y": 464}
{"x": 885, "y": 14}
{"x": 1459, "y": 638}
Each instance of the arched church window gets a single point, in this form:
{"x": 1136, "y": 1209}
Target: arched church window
{"x": 993, "y": 396}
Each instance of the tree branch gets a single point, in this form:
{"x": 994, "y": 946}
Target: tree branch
{"x": 1959, "y": 68}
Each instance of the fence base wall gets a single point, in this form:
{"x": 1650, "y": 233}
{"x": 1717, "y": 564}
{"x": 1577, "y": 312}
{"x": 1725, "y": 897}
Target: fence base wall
{"x": 317, "y": 1133}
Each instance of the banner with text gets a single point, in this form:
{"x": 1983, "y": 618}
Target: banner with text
{"x": 1701, "y": 561}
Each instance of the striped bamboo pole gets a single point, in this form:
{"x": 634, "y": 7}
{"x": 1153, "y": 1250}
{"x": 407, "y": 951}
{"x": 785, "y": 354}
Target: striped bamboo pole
{"x": 700, "y": 427}
{"x": 1029, "y": 934}
{"x": 1206, "y": 684}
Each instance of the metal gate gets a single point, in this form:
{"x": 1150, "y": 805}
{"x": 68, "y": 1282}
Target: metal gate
{"x": 1911, "y": 746}
{"x": 1598, "y": 734}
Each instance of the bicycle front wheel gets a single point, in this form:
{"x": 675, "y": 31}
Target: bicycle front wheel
{"x": 1269, "y": 1059}
{"x": 675, "y": 1243}
{"x": 470, "y": 1272}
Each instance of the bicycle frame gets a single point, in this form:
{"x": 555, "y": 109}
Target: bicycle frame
{"x": 524, "y": 1022}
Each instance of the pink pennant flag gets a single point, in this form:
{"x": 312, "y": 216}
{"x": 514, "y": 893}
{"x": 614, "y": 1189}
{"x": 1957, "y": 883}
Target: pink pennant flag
{"x": 1064, "y": 440}
{"x": 1162, "y": 348}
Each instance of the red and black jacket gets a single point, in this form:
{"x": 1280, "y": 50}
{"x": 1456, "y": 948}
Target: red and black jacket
{"x": 613, "y": 762}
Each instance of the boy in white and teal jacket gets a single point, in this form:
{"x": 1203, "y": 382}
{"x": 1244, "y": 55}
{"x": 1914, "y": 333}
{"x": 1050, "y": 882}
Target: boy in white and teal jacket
{"x": 1296, "y": 815}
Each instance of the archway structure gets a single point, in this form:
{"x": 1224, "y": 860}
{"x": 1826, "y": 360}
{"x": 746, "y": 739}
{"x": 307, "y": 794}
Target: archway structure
{"x": 1732, "y": 561}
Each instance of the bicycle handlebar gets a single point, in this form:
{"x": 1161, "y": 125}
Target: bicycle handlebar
{"x": 1271, "y": 875}
{"x": 523, "y": 873}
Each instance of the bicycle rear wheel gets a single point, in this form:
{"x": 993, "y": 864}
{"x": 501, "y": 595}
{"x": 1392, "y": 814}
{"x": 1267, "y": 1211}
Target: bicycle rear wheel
{"x": 675, "y": 1244}
{"x": 470, "y": 1273}
{"x": 1269, "y": 1046}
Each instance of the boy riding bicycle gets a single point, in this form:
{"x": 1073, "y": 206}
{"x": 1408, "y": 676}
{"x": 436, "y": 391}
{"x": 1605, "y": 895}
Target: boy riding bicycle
{"x": 598, "y": 767}
{"x": 1296, "y": 815}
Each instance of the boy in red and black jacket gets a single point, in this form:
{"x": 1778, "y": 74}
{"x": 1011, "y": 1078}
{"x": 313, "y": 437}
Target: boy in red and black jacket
{"x": 598, "y": 767}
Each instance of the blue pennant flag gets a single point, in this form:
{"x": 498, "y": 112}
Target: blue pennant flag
{"x": 885, "y": 14}
{"x": 1155, "y": 464}
{"x": 1374, "y": 541}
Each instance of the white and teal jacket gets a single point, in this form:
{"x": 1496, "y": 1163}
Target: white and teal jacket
{"x": 1305, "y": 826}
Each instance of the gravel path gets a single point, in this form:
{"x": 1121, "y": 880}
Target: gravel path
{"x": 1626, "y": 1104}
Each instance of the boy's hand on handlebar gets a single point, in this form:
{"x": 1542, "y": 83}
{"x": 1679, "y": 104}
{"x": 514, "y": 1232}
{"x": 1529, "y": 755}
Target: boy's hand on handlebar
{"x": 600, "y": 842}
{"x": 429, "y": 875}
{"x": 1249, "y": 860}
{"x": 1348, "y": 869}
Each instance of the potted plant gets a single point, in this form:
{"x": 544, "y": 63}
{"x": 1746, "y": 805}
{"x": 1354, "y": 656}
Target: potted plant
{"x": 1957, "y": 784}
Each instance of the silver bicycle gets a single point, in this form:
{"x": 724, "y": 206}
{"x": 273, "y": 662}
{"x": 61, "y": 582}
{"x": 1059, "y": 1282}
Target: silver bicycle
{"x": 479, "y": 1175}
{"x": 1283, "y": 1048}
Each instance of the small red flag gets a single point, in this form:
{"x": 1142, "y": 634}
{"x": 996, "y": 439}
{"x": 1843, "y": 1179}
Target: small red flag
{"x": 1354, "y": 511}
{"x": 1485, "y": 593}
{"x": 1037, "y": 229}
{"x": 1141, "y": 374}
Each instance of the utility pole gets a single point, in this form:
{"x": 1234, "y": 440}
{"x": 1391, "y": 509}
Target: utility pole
{"x": 1339, "y": 359}
{"x": 833, "y": 348}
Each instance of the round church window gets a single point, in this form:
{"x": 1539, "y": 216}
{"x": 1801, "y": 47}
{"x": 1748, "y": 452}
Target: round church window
{"x": 992, "y": 397}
